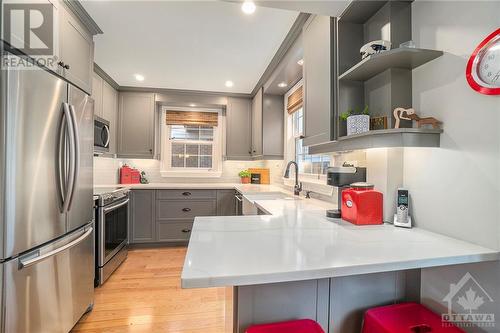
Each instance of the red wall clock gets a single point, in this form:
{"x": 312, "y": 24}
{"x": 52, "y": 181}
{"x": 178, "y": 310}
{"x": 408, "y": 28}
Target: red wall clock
{"x": 483, "y": 68}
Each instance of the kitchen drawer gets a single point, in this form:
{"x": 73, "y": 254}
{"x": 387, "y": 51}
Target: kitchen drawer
{"x": 186, "y": 194}
{"x": 175, "y": 209}
{"x": 174, "y": 231}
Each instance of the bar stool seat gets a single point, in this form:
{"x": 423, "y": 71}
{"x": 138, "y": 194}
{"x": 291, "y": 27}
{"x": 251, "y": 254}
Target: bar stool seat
{"x": 405, "y": 318}
{"x": 293, "y": 326}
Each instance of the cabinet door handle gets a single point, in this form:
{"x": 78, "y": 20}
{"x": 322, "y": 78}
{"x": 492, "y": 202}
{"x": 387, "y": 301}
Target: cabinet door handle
{"x": 186, "y": 230}
{"x": 186, "y": 194}
{"x": 60, "y": 63}
{"x": 66, "y": 66}
{"x": 186, "y": 209}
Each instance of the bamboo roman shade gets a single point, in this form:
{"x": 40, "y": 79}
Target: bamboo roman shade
{"x": 191, "y": 118}
{"x": 295, "y": 100}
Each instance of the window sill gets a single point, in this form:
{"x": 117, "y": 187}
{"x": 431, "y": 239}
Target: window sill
{"x": 191, "y": 174}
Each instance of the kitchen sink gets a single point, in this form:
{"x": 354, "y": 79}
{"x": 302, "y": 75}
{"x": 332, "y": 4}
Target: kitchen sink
{"x": 271, "y": 196}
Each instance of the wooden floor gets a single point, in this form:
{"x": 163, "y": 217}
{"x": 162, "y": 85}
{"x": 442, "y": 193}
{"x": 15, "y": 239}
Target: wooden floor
{"x": 144, "y": 295}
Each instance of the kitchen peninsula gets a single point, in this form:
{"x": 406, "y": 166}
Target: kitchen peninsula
{"x": 295, "y": 262}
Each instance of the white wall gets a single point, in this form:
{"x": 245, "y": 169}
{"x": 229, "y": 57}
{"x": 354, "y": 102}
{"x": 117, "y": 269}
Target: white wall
{"x": 455, "y": 188}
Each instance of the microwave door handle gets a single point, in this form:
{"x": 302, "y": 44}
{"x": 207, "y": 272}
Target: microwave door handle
{"x": 68, "y": 178}
{"x": 110, "y": 208}
{"x": 76, "y": 153}
{"x": 25, "y": 263}
{"x": 106, "y": 128}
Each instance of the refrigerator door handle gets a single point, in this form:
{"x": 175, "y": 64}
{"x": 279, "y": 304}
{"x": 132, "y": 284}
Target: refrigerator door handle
{"x": 65, "y": 180}
{"x": 76, "y": 153}
{"x": 24, "y": 263}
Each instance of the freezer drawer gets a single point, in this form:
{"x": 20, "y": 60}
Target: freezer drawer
{"x": 49, "y": 289}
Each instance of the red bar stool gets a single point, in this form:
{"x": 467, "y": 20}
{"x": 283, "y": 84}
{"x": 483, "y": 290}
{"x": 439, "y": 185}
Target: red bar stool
{"x": 293, "y": 326}
{"x": 405, "y": 318}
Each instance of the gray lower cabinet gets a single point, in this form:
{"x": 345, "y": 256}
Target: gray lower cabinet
{"x": 136, "y": 123}
{"x": 319, "y": 91}
{"x": 167, "y": 216}
{"x": 238, "y": 129}
{"x": 226, "y": 203}
{"x": 174, "y": 232}
{"x": 142, "y": 224}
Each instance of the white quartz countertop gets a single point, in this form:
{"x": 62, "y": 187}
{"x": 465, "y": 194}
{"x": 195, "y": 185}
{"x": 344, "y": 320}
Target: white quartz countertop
{"x": 243, "y": 188}
{"x": 298, "y": 242}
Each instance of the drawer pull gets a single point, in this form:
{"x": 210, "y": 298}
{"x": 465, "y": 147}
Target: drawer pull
{"x": 186, "y": 209}
{"x": 186, "y": 230}
{"x": 186, "y": 194}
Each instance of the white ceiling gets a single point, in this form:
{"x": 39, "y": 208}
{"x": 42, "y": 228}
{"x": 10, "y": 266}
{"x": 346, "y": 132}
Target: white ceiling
{"x": 194, "y": 45}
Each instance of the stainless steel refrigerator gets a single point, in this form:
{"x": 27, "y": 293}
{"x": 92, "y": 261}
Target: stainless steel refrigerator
{"x": 46, "y": 203}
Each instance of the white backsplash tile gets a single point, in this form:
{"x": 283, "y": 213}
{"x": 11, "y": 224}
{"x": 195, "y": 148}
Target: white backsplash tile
{"x": 106, "y": 171}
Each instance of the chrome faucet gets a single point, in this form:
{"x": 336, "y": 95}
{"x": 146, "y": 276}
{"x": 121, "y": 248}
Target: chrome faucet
{"x": 298, "y": 186}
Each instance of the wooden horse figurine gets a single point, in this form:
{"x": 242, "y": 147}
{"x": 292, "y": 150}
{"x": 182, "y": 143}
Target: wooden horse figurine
{"x": 409, "y": 114}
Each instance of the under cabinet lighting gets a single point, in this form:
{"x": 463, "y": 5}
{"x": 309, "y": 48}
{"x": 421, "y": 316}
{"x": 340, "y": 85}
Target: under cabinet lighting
{"x": 248, "y": 7}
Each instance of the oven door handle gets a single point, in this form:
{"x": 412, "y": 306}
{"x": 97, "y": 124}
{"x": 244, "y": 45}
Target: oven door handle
{"x": 121, "y": 204}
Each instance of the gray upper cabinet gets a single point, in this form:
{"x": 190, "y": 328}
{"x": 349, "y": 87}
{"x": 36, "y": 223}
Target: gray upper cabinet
{"x": 257, "y": 124}
{"x": 96, "y": 95}
{"x": 142, "y": 216}
{"x": 238, "y": 129}
{"x": 110, "y": 112}
{"x": 76, "y": 51}
{"x": 267, "y": 126}
{"x": 273, "y": 119}
{"x": 319, "y": 74}
{"x": 136, "y": 120}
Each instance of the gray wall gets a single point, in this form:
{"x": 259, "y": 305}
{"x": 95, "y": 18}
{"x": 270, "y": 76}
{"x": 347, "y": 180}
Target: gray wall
{"x": 455, "y": 189}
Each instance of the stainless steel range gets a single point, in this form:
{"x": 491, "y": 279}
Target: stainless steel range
{"x": 111, "y": 231}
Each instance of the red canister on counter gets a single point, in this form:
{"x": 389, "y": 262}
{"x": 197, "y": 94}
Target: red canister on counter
{"x": 362, "y": 205}
{"x": 129, "y": 175}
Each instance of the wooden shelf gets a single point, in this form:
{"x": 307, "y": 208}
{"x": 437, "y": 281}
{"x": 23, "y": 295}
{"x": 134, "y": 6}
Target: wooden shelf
{"x": 406, "y": 58}
{"x": 400, "y": 137}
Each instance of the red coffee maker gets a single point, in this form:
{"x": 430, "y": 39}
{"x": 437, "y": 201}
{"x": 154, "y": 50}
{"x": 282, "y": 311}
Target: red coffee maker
{"x": 362, "y": 204}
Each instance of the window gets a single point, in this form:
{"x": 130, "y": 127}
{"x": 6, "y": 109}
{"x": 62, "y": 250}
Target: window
{"x": 308, "y": 164}
{"x": 192, "y": 146}
{"x": 190, "y": 149}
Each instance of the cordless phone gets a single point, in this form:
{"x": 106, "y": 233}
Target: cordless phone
{"x": 402, "y": 217}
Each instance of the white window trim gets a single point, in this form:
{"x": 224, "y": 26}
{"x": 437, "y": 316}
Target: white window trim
{"x": 165, "y": 163}
{"x": 290, "y": 138}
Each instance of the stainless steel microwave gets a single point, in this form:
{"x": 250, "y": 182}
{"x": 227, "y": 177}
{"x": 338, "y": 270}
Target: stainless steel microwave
{"x": 101, "y": 135}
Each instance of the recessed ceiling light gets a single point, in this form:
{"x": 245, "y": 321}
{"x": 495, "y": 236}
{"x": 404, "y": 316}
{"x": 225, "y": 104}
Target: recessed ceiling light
{"x": 300, "y": 62}
{"x": 248, "y": 7}
{"x": 282, "y": 84}
{"x": 192, "y": 105}
{"x": 229, "y": 84}
{"x": 139, "y": 77}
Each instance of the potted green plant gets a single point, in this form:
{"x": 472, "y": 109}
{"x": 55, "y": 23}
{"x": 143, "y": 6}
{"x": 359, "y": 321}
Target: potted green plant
{"x": 357, "y": 120}
{"x": 245, "y": 176}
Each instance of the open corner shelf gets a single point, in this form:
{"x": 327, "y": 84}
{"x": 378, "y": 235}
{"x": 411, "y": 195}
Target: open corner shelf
{"x": 388, "y": 138}
{"x": 406, "y": 58}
